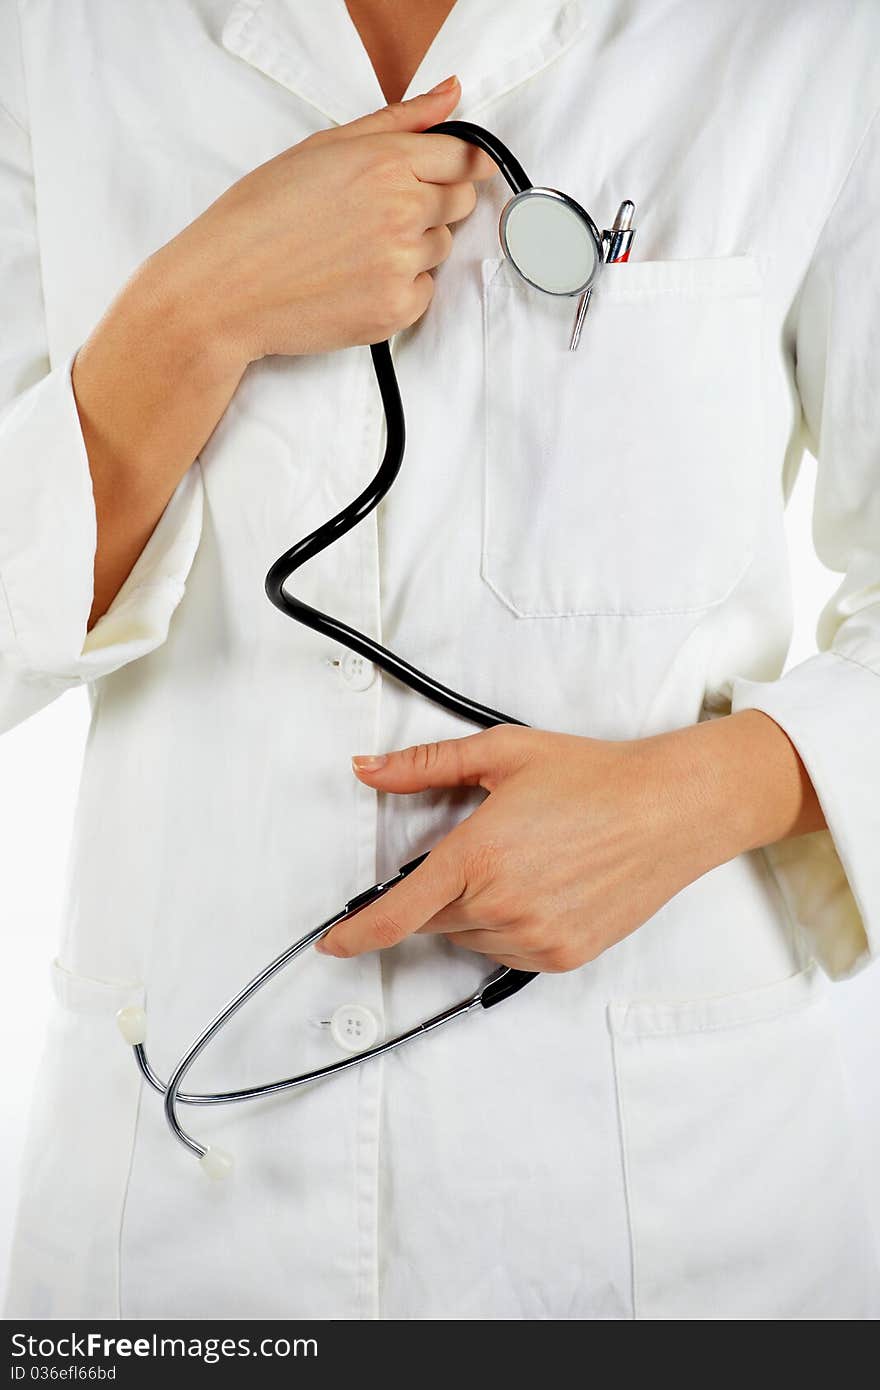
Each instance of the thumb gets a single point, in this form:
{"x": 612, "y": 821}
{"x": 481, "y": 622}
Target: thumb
{"x": 417, "y": 113}
{"x": 402, "y": 911}
{"x": 478, "y": 760}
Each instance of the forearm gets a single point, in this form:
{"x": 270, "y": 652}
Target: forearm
{"x": 754, "y": 788}
{"x": 295, "y": 257}
{"x": 151, "y": 382}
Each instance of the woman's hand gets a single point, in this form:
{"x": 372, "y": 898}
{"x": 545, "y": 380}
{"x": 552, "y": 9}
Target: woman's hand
{"x": 580, "y": 840}
{"x": 330, "y": 243}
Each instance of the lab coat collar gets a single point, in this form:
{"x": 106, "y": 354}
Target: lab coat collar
{"x": 313, "y": 49}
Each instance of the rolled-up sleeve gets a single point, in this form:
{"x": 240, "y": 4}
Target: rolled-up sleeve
{"x": 829, "y": 704}
{"x": 48, "y": 526}
{"x": 47, "y": 546}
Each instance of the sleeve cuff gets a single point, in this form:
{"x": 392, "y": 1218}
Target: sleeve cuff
{"x": 829, "y": 706}
{"x": 48, "y": 535}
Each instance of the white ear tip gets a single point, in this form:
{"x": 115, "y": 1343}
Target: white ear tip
{"x": 132, "y": 1023}
{"x": 216, "y": 1164}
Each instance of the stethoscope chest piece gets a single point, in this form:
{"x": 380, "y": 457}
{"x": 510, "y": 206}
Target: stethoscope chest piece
{"x": 551, "y": 241}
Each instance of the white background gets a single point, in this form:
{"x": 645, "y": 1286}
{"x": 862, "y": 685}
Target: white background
{"x": 39, "y": 770}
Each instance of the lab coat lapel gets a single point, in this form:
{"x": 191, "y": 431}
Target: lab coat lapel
{"x": 313, "y": 49}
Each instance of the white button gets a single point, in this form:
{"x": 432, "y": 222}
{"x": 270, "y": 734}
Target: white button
{"x": 354, "y": 1028}
{"x": 358, "y": 672}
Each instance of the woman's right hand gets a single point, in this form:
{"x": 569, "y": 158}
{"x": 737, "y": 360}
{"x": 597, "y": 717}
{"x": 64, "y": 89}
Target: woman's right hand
{"x": 330, "y": 243}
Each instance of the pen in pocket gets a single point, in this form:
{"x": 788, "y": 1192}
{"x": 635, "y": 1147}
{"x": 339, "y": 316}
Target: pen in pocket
{"x": 617, "y": 243}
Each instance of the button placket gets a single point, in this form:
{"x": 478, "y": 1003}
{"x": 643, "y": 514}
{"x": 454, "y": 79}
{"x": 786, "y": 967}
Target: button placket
{"x": 360, "y": 675}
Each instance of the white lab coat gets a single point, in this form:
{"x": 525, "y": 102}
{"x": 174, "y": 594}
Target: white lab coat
{"x": 592, "y": 542}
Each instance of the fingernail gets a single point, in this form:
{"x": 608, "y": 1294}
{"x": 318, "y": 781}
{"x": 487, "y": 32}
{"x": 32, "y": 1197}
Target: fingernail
{"x": 369, "y": 763}
{"x": 445, "y": 86}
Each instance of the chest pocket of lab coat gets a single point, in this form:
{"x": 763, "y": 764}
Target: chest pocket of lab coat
{"x": 622, "y": 478}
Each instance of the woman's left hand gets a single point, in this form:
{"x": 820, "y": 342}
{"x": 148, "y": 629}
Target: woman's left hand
{"x": 579, "y": 841}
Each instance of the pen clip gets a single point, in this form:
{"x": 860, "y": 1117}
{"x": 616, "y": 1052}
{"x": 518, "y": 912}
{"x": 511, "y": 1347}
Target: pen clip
{"x": 616, "y": 245}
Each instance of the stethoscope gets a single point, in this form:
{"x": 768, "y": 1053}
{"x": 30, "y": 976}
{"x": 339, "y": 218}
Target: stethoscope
{"x": 556, "y": 247}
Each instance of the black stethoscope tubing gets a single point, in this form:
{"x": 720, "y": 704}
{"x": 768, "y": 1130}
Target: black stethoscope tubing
{"x": 505, "y": 980}
{"x": 366, "y": 501}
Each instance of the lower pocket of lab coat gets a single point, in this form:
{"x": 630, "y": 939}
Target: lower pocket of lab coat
{"x": 76, "y": 1163}
{"x": 623, "y": 478}
{"x": 745, "y": 1199}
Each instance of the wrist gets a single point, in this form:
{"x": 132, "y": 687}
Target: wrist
{"x": 196, "y": 333}
{"x": 695, "y": 818}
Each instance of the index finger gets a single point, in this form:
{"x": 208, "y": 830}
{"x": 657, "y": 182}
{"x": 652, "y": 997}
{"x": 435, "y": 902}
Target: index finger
{"x": 446, "y": 159}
